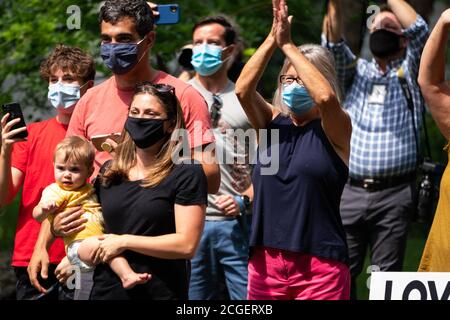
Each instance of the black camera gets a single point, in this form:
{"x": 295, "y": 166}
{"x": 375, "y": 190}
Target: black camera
{"x": 428, "y": 189}
{"x": 185, "y": 57}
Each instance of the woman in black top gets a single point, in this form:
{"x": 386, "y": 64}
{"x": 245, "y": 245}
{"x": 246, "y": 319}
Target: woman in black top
{"x": 153, "y": 209}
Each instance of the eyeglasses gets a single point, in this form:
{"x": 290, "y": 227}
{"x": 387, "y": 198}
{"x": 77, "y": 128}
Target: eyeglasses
{"x": 215, "y": 110}
{"x": 288, "y": 79}
{"x": 160, "y": 87}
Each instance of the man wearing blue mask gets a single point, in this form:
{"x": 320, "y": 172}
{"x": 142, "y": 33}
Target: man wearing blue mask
{"x": 70, "y": 73}
{"x": 223, "y": 248}
{"x": 384, "y": 101}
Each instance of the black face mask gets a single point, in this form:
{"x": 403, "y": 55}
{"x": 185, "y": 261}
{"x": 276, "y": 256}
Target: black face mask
{"x": 145, "y": 132}
{"x": 384, "y": 43}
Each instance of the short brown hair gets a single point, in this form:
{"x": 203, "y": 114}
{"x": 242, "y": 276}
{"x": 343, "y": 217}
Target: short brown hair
{"x": 71, "y": 59}
{"x": 139, "y": 11}
{"x": 76, "y": 148}
{"x": 231, "y": 34}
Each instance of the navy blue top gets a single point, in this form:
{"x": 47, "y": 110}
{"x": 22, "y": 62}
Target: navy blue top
{"x": 297, "y": 208}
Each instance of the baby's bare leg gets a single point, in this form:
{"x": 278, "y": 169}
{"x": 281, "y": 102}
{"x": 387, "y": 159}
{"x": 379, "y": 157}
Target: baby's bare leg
{"x": 87, "y": 249}
{"x": 128, "y": 277}
{"x": 119, "y": 264}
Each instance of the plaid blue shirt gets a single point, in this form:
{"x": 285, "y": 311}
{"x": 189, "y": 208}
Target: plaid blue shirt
{"x": 383, "y": 142}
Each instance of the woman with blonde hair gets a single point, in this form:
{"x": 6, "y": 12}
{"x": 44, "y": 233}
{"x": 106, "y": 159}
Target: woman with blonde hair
{"x": 298, "y": 245}
{"x": 153, "y": 208}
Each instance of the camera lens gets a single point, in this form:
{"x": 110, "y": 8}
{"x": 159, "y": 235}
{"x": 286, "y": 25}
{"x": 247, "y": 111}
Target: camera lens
{"x": 173, "y": 9}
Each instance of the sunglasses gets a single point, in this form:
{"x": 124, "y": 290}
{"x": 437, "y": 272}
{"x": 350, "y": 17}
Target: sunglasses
{"x": 215, "y": 110}
{"x": 160, "y": 87}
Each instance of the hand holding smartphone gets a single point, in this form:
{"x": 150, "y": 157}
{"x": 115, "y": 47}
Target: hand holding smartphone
{"x": 101, "y": 144}
{"x": 15, "y": 112}
{"x": 168, "y": 14}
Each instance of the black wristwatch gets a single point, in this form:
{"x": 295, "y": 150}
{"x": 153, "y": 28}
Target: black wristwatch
{"x": 246, "y": 201}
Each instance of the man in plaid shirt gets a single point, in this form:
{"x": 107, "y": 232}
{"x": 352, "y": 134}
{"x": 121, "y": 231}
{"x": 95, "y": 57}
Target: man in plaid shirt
{"x": 377, "y": 201}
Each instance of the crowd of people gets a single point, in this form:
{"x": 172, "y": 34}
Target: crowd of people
{"x": 141, "y": 217}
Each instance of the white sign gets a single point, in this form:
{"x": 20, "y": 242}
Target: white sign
{"x": 410, "y": 286}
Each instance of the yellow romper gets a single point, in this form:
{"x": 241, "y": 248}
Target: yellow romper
{"x": 436, "y": 255}
{"x": 86, "y": 197}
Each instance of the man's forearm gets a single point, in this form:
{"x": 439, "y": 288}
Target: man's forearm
{"x": 208, "y": 160}
{"x": 403, "y": 11}
{"x": 212, "y": 172}
{"x": 45, "y": 237}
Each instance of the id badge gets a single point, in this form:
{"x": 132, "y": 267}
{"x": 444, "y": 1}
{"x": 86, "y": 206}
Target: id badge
{"x": 378, "y": 93}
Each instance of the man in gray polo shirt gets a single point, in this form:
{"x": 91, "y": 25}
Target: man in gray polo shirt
{"x": 223, "y": 249}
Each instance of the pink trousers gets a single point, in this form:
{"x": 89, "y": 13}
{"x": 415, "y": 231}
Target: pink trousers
{"x": 283, "y": 275}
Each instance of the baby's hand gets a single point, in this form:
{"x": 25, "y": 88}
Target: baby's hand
{"x": 49, "y": 208}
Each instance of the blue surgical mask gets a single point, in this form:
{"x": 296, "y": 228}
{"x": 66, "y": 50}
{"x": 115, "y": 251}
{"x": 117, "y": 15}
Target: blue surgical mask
{"x": 63, "y": 96}
{"x": 120, "y": 57}
{"x": 297, "y": 98}
{"x": 207, "y": 59}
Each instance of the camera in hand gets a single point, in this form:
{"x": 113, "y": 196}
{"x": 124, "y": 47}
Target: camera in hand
{"x": 428, "y": 189}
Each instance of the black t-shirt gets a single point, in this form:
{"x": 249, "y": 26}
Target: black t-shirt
{"x": 129, "y": 208}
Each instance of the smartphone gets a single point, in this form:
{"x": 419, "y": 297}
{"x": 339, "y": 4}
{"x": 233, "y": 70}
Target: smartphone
{"x": 98, "y": 140}
{"x": 168, "y": 14}
{"x": 15, "y": 111}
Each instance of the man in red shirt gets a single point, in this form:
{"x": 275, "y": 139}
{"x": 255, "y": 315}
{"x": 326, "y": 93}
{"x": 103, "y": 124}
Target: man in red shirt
{"x": 70, "y": 73}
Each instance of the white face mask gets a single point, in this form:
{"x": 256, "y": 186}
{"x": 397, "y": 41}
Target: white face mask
{"x": 63, "y": 96}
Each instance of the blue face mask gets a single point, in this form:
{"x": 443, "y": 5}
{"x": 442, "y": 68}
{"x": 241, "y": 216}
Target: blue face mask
{"x": 120, "y": 57}
{"x": 63, "y": 96}
{"x": 297, "y": 98}
{"x": 206, "y": 59}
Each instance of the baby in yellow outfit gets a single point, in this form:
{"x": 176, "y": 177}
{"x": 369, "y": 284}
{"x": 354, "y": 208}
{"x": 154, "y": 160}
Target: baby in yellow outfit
{"x": 73, "y": 164}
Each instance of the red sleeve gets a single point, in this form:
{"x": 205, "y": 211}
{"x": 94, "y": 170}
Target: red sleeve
{"x": 76, "y": 125}
{"x": 19, "y": 157}
{"x": 197, "y": 119}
